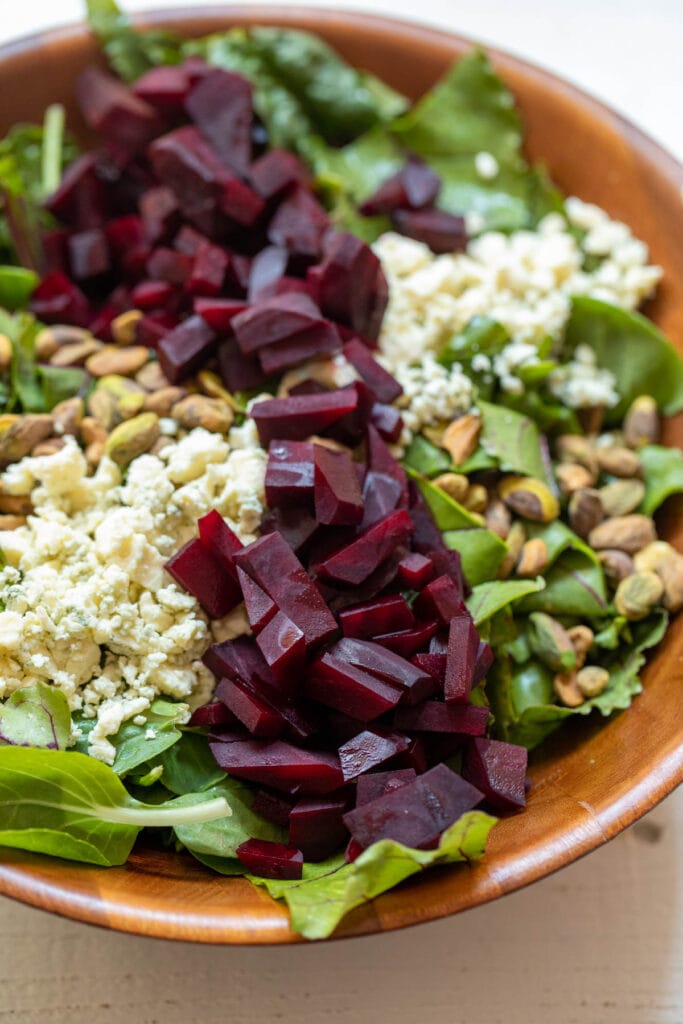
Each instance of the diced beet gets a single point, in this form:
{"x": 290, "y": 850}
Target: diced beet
{"x": 218, "y": 313}
{"x": 152, "y": 327}
{"x": 151, "y": 294}
{"x": 387, "y": 421}
{"x": 369, "y": 749}
{"x": 220, "y": 540}
{"x": 259, "y": 606}
{"x": 166, "y": 264}
{"x": 276, "y": 171}
{"x": 240, "y": 202}
{"x": 316, "y": 826}
{"x": 273, "y": 807}
{"x": 184, "y": 162}
{"x": 408, "y": 642}
{"x": 385, "y": 387}
{"x": 338, "y": 498}
{"x": 300, "y": 224}
{"x": 58, "y": 300}
{"x": 220, "y": 104}
{"x": 483, "y": 663}
{"x": 322, "y": 339}
{"x": 100, "y": 325}
{"x": 279, "y": 765}
{"x": 381, "y": 495}
{"x": 81, "y": 198}
{"x": 283, "y": 645}
{"x": 290, "y": 474}
{"x": 357, "y": 560}
{"x": 215, "y": 713}
{"x": 240, "y": 270}
{"x": 288, "y": 284}
{"x": 114, "y": 111}
{"x": 353, "y": 851}
{"x": 463, "y": 647}
{"x": 240, "y": 659}
{"x": 435, "y": 664}
{"x": 433, "y": 716}
{"x": 385, "y": 664}
{"x": 189, "y": 240}
{"x": 297, "y": 418}
{"x": 440, "y": 600}
{"x": 439, "y": 643}
{"x": 296, "y": 525}
{"x": 337, "y": 684}
{"x": 88, "y": 254}
{"x": 208, "y": 270}
{"x": 274, "y": 566}
{"x": 415, "y": 186}
{"x": 499, "y": 770}
{"x": 380, "y": 460}
{"x": 160, "y": 214}
{"x": 250, "y": 708}
{"x": 134, "y": 261}
{"x": 238, "y": 372}
{"x": 123, "y": 233}
{"x": 449, "y": 563}
{"x": 195, "y": 68}
{"x": 427, "y": 538}
{"x": 275, "y": 320}
{"x": 384, "y": 615}
{"x": 186, "y": 348}
{"x": 271, "y": 860}
{"x": 417, "y": 813}
{"x": 351, "y": 286}
{"x": 165, "y": 88}
{"x": 415, "y": 756}
{"x": 415, "y": 571}
{"x": 442, "y": 232}
{"x": 370, "y": 787}
{"x": 376, "y": 583}
{"x": 267, "y": 268}
{"x": 200, "y": 573}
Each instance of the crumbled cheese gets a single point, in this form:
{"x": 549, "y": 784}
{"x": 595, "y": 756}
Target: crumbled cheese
{"x": 88, "y": 604}
{"x": 512, "y": 358}
{"x": 486, "y": 165}
{"x": 581, "y": 383}
{"x": 431, "y": 393}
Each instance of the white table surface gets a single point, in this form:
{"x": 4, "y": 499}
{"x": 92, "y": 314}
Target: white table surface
{"x": 599, "y": 943}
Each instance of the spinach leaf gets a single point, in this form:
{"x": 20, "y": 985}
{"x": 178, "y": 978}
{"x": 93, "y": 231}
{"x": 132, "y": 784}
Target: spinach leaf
{"x": 448, "y": 513}
{"x": 642, "y": 359}
{"x": 59, "y": 383}
{"x": 481, "y": 552}
{"x": 36, "y": 716}
{"x": 130, "y": 52}
{"x": 137, "y": 745}
{"x": 663, "y": 473}
{"x": 69, "y": 805}
{"x": 188, "y": 766}
{"x": 489, "y": 598}
{"x": 222, "y": 836}
{"x": 16, "y": 286}
{"x": 22, "y": 330}
{"x": 425, "y": 458}
{"x": 574, "y": 586}
{"x": 512, "y": 439}
{"x": 558, "y": 538}
{"x": 482, "y": 335}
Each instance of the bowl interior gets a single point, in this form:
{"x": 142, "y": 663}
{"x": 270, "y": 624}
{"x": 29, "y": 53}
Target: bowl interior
{"x": 594, "y": 779}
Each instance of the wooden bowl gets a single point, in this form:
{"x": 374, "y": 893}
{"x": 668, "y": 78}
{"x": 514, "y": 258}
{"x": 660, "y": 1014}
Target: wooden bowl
{"x": 597, "y": 777}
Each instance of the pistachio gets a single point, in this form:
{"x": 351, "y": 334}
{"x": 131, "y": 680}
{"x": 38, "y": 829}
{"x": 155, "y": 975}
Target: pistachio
{"x": 515, "y": 541}
{"x": 497, "y": 518}
{"x": 151, "y": 377}
{"x": 625, "y": 533}
{"x": 118, "y": 386}
{"x": 16, "y": 504}
{"x": 591, "y": 417}
{"x": 618, "y": 461}
{"x": 551, "y": 643}
{"x": 324, "y": 371}
{"x": 622, "y": 496}
{"x": 453, "y": 484}
{"x": 12, "y": 522}
{"x": 585, "y": 511}
{"x": 592, "y": 680}
{"x": 67, "y": 416}
{"x": 211, "y": 384}
{"x": 132, "y": 437}
{"x": 94, "y": 452}
{"x": 575, "y": 448}
{"x": 529, "y": 498}
{"x": 19, "y": 434}
{"x": 200, "y": 411}
{"x": 641, "y": 423}
{"x": 49, "y": 339}
{"x": 616, "y": 565}
{"x": 48, "y": 447}
{"x": 92, "y": 431}
{"x": 582, "y": 638}
{"x": 573, "y": 477}
{"x": 114, "y": 360}
{"x": 567, "y": 690}
{"x": 162, "y": 401}
{"x": 637, "y": 595}
{"x": 130, "y": 405}
{"x": 663, "y": 559}
{"x": 476, "y": 498}
{"x": 533, "y": 558}
{"x": 460, "y": 439}
{"x": 5, "y": 353}
{"x": 433, "y": 432}
{"x": 102, "y": 407}
{"x": 76, "y": 354}
{"x": 124, "y": 327}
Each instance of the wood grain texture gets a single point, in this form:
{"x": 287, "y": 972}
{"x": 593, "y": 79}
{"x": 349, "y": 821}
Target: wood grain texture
{"x": 593, "y": 780}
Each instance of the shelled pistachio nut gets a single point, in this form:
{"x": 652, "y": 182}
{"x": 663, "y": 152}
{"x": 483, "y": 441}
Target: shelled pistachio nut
{"x": 586, "y": 511}
{"x": 638, "y": 595}
{"x": 572, "y": 477}
{"x": 618, "y": 461}
{"x": 641, "y": 423}
{"x": 68, "y": 416}
{"x": 663, "y": 559}
{"x": 19, "y": 434}
{"x": 582, "y": 638}
{"x": 533, "y": 559}
{"x": 578, "y": 449}
{"x": 592, "y": 680}
{"x": 515, "y": 541}
{"x": 616, "y": 565}
{"x": 453, "y": 484}
{"x": 529, "y": 498}
{"x": 567, "y": 689}
{"x": 5, "y": 353}
{"x": 625, "y": 533}
{"x": 497, "y": 517}
{"x": 622, "y": 496}
{"x": 200, "y": 411}
{"x": 132, "y": 438}
{"x": 476, "y": 498}
{"x": 124, "y": 327}
{"x": 461, "y": 437}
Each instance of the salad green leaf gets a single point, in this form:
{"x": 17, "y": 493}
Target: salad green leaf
{"x": 481, "y": 552}
{"x": 448, "y": 513}
{"x": 130, "y": 51}
{"x": 489, "y": 598}
{"x": 137, "y": 745}
{"x": 36, "y": 716}
{"x": 188, "y": 766}
{"x": 16, "y": 286}
{"x": 574, "y": 586}
{"x": 513, "y": 439}
{"x": 425, "y": 458}
{"x": 220, "y": 837}
{"x": 663, "y": 474}
{"x": 33, "y": 387}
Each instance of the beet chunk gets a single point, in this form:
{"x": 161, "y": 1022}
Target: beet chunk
{"x": 273, "y": 807}
{"x": 297, "y": 418}
{"x": 300, "y": 224}
{"x": 433, "y": 716}
{"x": 278, "y": 764}
{"x": 316, "y": 826}
{"x": 200, "y": 573}
{"x": 208, "y": 270}
{"x": 237, "y": 372}
{"x": 275, "y": 320}
{"x": 463, "y": 647}
{"x": 297, "y": 526}
{"x": 186, "y": 348}
{"x": 220, "y": 105}
{"x": 219, "y": 539}
{"x": 386, "y": 665}
{"x": 218, "y": 313}
{"x": 370, "y": 787}
{"x": 499, "y": 770}
{"x": 259, "y": 606}
{"x": 369, "y": 749}
{"x": 415, "y": 571}
{"x": 338, "y": 498}
{"x": 250, "y": 708}
{"x": 440, "y": 600}
{"x": 276, "y": 171}
{"x": 483, "y": 662}
{"x": 434, "y": 664}
{"x": 337, "y": 684}
{"x": 283, "y": 645}
{"x": 416, "y": 814}
{"x": 240, "y": 659}
{"x": 165, "y": 88}
{"x": 385, "y": 387}
{"x": 415, "y": 186}
{"x": 355, "y": 562}
{"x": 383, "y": 615}
{"x": 58, "y": 300}
{"x": 114, "y": 111}
{"x": 88, "y": 254}
{"x": 214, "y": 713}
{"x": 387, "y": 421}
{"x": 351, "y": 286}
{"x": 271, "y": 860}
{"x": 408, "y": 642}
{"x": 442, "y": 232}
{"x": 267, "y": 270}
{"x": 290, "y": 474}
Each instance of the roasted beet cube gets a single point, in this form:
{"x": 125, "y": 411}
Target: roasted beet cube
{"x": 208, "y": 270}
{"x": 283, "y": 645}
{"x": 184, "y": 162}
{"x": 164, "y": 264}
{"x": 124, "y": 233}
{"x": 337, "y": 684}
{"x": 276, "y": 171}
{"x": 164, "y": 88}
{"x": 215, "y": 713}
{"x": 240, "y": 659}
{"x": 370, "y": 787}
{"x": 463, "y": 648}
{"x": 416, "y": 814}
{"x": 383, "y": 615}
{"x": 267, "y": 269}
{"x": 385, "y": 664}
{"x": 259, "y": 606}
{"x": 440, "y": 600}
{"x": 273, "y": 807}
{"x": 297, "y": 418}
{"x": 278, "y": 764}
{"x": 381, "y": 461}
{"x": 408, "y": 642}
{"x": 88, "y": 254}
{"x": 381, "y": 495}
{"x": 290, "y": 474}
{"x": 151, "y": 294}
{"x": 271, "y": 860}
{"x": 81, "y": 198}
{"x": 275, "y": 320}
{"x": 387, "y": 421}
{"x": 297, "y": 526}
{"x": 449, "y": 563}
{"x": 114, "y": 111}
{"x": 434, "y": 664}
{"x": 427, "y": 538}
{"x": 300, "y": 224}
{"x": 220, "y": 104}
{"x": 483, "y": 663}
{"x": 415, "y": 571}
{"x": 433, "y": 716}
{"x": 351, "y": 286}
{"x": 220, "y": 540}
{"x": 238, "y": 372}
{"x": 357, "y": 560}
{"x": 254, "y": 712}
{"x": 57, "y": 300}
{"x": 218, "y": 313}
{"x": 416, "y": 185}
{"x": 160, "y": 214}
{"x": 316, "y": 826}
{"x": 186, "y": 348}
{"x": 323, "y": 339}
{"x": 369, "y": 749}
{"x": 499, "y": 770}
{"x": 385, "y": 387}
{"x": 442, "y": 232}
{"x": 199, "y": 572}
{"x": 338, "y": 498}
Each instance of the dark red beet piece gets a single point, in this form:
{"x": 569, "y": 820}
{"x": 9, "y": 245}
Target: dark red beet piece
{"x": 376, "y": 583}
{"x": 297, "y": 418}
{"x": 297, "y": 526}
{"x": 290, "y": 474}
{"x": 369, "y": 749}
{"x": 153, "y": 327}
{"x": 267, "y": 269}
{"x": 283, "y": 645}
{"x": 240, "y": 659}
{"x": 215, "y": 713}
{"x": 218, "y": 313}
{"x": 189, "y": 240}
{"x": 316, "y": 826}
{"x": 415, "y": 756}
{"x": 114, "y": 111}
{"x": 385, "y": 387}
{"x": 351, "y": 286}
{"x": 416, "y": 185}
{"x": 186, "y": 348}
{"x": 417, "y": 813}
{"x": 160, "y": 214}
{"x": 483, "y": 663}
{"x": 166, "y": 264}
{"x": 322, "y": 339}
{"x": 435, "y": 664}
{"x": 415, "y": 571}
{"x": 276, "y": 171}
{"x": 338, "y": 498}
{"x": 220, "y": 540}
{"x": 81, "y": 198}
{"x": 433, "y": 716}
{"x": 165, "y": 88}
{"x": 220, "y": 104}
{"x": 449, "y": 563}
{"x": 199, "y": 572}
{"x": 408, "y": 642}
{"x": 381, "y": 461}
{"x": 249, "y": 708}
{"x": 58, "y": 300}
{"x": 385, "y": 664}
{"x": 387, "y": 421}
{"x": 88, "y": 254}
{"x": 499, "y": 770}
{"x": 259, "y": 606}
{"x": 208, "y": 270}
{"x": 370, "y": 787}
{"x": 337, "y": 684}
{"x": 151, "y": 294}
{"x": 273, "y": 807}
{"x": 463, "y": 647}
{"x": 357, "y": 560}
{"x": 442, "y": 232}
{"x": 440, "y": 600}
{"x": 275, "y": 320}
{"x": 299, "y": 224}
{"x": 353, "y": 851}
{"x": 384, "y": 615}
{"x": 238, "y": 372}
{"x": 278, "y": 764}
{"x": 271, "y": 860}
{"x": 427, "y": 538}
{"x": 124, "y": 233}
{"x": 381, "y": 495}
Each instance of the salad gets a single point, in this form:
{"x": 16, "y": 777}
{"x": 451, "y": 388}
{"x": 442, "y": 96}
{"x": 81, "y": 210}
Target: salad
{"x": 330, "y": 450}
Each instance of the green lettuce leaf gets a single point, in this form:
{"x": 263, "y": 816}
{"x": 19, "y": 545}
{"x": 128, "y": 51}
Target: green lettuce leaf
{"x": 488, "y": 599}
{"x": 221, "y": 837}
{"x": 36, "y": 716}
{"x": 448, "y": 513}
{"x": 663, "y": 474}
{"x": 425, "y": 458}
{"x": 130, "y": 51}
{"x": 188, "y": 765}
{"x": 574, "y": 586}
{"x": 481, "y": 552}
{"x": 134, "y": 747}
{"x": 512, "y": 439}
